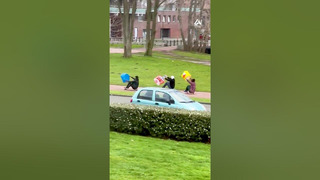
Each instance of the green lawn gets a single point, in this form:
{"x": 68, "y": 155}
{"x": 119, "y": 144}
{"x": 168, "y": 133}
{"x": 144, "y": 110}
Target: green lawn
{"x": 144, "y": 158}
{"x": 124, "y": 93}
{"x": 121, "y": 46}
{"x": 183, "y": 55}
{"x": 147, "y": 68}
{"x": 193, "y": 55}
{"x": 130, "y": 93}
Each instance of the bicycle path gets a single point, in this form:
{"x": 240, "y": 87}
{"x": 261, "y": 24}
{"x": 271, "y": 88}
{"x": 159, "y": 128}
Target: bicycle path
{"x": 139, "y": 50}
{"x": 197, "y": 94}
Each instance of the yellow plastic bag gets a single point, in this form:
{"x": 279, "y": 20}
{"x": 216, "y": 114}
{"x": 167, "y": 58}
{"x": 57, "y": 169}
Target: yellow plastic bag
{"x": 185, "y": 75}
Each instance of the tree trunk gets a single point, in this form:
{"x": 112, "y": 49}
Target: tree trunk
{"x": 198, "y": 47}
{"x": 151, "y": 33}
{"x": 196, "y": 30}
{"x": 180, "y": 25}
{"x": 154, "y": 22}
{"x": 148, "y": 41}
{"x": 134, "y": 8}
{"x": 127, "y": 26}
{"x": 190, "y": 26}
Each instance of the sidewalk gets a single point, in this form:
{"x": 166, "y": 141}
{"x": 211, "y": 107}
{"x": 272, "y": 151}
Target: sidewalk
{"x": 139, "y": 50}
{"x": 206, "y": 95}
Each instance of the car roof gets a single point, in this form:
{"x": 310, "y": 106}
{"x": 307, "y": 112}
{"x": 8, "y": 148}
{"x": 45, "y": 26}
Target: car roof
{"x": 157, "y": 88}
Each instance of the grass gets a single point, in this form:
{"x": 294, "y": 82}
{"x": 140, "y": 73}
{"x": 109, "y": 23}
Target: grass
{"x": 124, "y": 93}
{"x": 130, "y": 93}
{"x": 121, "y": 46}
{"x": 143, "y": 158}
{"x": 202, "y": 100}
{"x": 183, "y": 55}
{"x": 193, "y": 55}
{"x": 147, "y": 68}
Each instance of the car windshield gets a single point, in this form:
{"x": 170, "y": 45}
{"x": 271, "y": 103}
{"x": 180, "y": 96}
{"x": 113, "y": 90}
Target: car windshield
{"x": 180, "y": 97}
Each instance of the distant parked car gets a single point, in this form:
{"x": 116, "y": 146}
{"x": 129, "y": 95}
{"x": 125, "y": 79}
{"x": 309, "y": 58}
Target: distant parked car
{"x": 162, "y": 97}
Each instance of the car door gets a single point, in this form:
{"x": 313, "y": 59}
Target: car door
{"x": 162, "y": 99}
{"x": 145, "y": 97}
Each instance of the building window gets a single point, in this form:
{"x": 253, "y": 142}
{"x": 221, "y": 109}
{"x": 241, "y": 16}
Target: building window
{"x": 163, "y": 18}
{"x": 169, "y": 19}
{"x": 164, "y": 33}
{"x": 141, "y": 18}
{"x": 173, "y": 18}
{"x": 159, "y": 17}
{"x": 144, "y": 33}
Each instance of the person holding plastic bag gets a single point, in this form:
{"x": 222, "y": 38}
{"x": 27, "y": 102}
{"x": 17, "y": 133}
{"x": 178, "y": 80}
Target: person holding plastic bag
{"x": 134, "y": 84}
{"x": 170, "y": 82}
{"x": 192, "y": 87}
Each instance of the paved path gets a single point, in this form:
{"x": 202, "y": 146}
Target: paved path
{"x": 166, "y": 50}
{"x": 126, "y": 100}
{"x": 139, "y": 50}
{"x": 206, "y": 95}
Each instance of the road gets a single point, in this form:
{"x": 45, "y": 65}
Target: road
{"x": 126, "y": 99}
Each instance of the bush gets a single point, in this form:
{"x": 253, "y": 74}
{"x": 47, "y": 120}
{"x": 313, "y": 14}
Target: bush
{"x": 175, "y": 124}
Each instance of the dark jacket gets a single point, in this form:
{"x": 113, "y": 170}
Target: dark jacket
{"x": 172, "y": 82}
{"x": 192, "y": 86}
{"x": 135, "y": 82}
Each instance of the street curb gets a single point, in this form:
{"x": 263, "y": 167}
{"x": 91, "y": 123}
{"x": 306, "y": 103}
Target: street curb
{"x": 131, "y": 96}
{"x": 119, "y": 95}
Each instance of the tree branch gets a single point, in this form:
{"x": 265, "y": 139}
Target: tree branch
{"x": 162, "y": 2}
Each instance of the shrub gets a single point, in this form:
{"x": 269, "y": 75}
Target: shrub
{"x": 160, "y": 122}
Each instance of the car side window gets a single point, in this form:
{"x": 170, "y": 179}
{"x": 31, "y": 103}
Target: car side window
{"x": 145, "y": 94}
{"x": 163, "y": 97}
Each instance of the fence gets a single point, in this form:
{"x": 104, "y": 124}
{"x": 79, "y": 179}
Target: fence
{"x": 158, "y": 42}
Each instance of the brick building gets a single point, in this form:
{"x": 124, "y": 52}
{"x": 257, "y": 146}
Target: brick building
{"x": 167, "y": 25}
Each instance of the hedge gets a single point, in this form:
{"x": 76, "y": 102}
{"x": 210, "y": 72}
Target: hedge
{"x": 169, "y": 123}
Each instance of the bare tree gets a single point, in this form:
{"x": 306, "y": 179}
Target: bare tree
{"x": 187, "y": 44}
{"x": 180, "y": 4}
{"x": 196, "y": 11}
{"x": 115, "y": 26}
{"x": 204, "y": 15}
{"x": 148, "y": 35}
{"x": 151, "y": 16}
{"x": 127, "y": 24}
{"x": 205, "y": 29}
{"x": 190, "y": 25}
{"x": 197, "y": 30}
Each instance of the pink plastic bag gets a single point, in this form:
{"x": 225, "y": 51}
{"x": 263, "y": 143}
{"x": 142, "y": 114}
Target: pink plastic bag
{"x": 158, "y": 80}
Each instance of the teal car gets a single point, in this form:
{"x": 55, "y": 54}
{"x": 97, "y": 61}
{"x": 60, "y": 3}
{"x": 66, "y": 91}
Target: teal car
{"x": 169, "y": 98}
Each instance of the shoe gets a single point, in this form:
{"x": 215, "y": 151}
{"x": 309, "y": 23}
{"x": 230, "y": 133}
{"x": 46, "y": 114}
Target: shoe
{"x": 125, "y": 88}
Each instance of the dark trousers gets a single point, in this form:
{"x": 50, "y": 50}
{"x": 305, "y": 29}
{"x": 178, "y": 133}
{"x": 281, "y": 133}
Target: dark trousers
{"x": 188, "y": 88}
{"x": 129, "y": 84}
{"x": 167, "y": 84}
